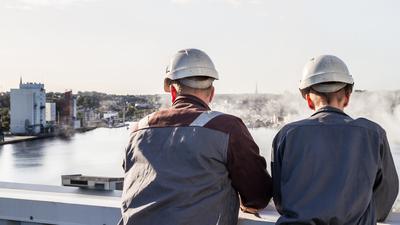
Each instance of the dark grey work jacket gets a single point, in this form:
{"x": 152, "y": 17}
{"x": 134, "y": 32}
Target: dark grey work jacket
{"x": 331, "y": 169}
{"x": 187, "y": 164}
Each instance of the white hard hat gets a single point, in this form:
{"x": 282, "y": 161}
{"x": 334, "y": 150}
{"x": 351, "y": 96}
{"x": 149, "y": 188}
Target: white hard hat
{"x": 325, "y": 73}
{"x": 188, "y": 64}
{"x": 191, "y": 63}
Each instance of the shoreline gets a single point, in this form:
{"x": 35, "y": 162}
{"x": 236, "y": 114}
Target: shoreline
{"x": 18, "y": 139}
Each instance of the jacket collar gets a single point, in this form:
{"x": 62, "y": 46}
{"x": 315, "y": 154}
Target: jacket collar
{"x": 329, "y": 109}
{"x": 189, "y": 101}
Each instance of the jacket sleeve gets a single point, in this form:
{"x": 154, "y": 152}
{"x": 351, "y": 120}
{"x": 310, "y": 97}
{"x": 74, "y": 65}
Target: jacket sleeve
{"x": 386, "y": 184}
{"x": 276, "y": 168}
{"x": 124, "y": 160}
{"x": 128, "y": 152}
{"x": 247, "y": 169}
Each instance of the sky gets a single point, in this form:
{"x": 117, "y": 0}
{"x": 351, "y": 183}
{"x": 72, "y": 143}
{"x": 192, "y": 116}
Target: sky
{"x": 124, "y": 46}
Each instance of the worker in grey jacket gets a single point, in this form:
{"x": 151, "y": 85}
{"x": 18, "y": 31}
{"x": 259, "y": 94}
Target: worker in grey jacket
{"x": 187, "y": 165}
{"x": 331, "y": 168}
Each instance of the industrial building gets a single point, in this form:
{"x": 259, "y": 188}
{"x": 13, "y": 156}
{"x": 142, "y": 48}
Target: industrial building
{"x": 68, "y": 111}
{"x": 27, "y": 108}
{"x": 51, "y": 112}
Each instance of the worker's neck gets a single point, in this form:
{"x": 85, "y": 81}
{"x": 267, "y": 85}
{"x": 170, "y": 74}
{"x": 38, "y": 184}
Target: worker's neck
{"x": 205, "y": 99}
{"x": 334, "y": 105}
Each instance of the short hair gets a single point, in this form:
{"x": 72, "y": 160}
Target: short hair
{"x": 193, "y": 85}
{"x": 328, "y": 97}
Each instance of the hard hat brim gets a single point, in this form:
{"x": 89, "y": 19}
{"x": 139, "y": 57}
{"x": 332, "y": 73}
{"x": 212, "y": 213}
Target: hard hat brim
{"x": 328, "y": 87}
{"x": 185, "y": 72}
{"x": 325, "y": 78}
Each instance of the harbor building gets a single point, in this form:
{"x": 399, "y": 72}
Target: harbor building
{"x": 90, "y": 117}
{"x": 50, "y": 112}
{"x": 27, "y": 109}
{"x": 68, "y": 111}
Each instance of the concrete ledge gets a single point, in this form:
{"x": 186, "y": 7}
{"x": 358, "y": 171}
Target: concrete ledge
{"x": 30, "y": 204}
{"x": 269, "y": 216}
{"x": 42, "y": 204}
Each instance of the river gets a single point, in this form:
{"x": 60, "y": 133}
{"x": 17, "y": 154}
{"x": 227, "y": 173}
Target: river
{"x": 95, "y": 153}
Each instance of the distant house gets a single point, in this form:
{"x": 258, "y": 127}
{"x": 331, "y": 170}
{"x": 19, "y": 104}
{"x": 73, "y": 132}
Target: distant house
{"x": 110, "y": 115}
{"x": 90, "y": 117}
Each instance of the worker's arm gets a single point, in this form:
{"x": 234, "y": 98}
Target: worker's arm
{"x": 247, "y": 169}
{"x": 386, "y": 184}
{"x": 248, "y": 210}
{"x": 276, "y": 168}
{"x": 128, "y": 152}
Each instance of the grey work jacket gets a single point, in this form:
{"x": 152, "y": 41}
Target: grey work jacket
{"x": 332, "y": 169}
{"x": 186, "y": 165}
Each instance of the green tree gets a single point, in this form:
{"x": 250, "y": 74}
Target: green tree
{"x": 5, "y": 119}
{"x": 5, "y": 100}
{"x": 87, "y": 101}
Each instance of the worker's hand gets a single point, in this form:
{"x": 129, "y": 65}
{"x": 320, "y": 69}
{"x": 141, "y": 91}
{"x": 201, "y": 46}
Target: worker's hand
{"x": 248, "y": 210}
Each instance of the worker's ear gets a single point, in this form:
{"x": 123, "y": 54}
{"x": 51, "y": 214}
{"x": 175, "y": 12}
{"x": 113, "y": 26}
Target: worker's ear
{"x": 174, "y": 93}
{"x": 167, "y": 83}
{"x": 212, "y": 92}
{"x": 347, "y": 99}
{"x": 310, "y": 103}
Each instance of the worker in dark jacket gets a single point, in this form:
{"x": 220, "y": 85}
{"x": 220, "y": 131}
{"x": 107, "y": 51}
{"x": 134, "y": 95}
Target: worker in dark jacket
{"x": 187, "y": 164}
{"x": 330, "y": 168}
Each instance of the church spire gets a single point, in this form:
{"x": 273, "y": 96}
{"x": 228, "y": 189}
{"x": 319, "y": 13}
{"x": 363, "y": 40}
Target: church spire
{"x": 20, "y": 81}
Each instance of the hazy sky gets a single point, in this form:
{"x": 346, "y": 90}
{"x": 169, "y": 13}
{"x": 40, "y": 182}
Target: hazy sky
{"x": 123, "y": 46}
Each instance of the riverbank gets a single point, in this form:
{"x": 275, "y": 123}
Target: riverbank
{"x": 17, "y": 139}
{"x": 85, "y": 129}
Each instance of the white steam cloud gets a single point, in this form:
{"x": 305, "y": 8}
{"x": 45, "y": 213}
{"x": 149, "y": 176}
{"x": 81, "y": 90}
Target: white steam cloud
{"x": 267, "y": 113}
{"x": 268, "y": 110}
{"x": 273, "y": 111}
